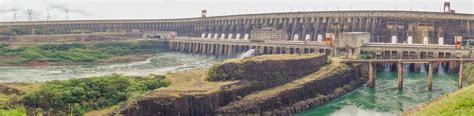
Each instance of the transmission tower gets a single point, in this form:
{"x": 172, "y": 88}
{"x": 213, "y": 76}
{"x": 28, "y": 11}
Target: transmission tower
{"x": 67, "y": 13}
{"x": 48, "y": 16}
{"x": 14, "y": 11}
{"x": 30, "y": 13}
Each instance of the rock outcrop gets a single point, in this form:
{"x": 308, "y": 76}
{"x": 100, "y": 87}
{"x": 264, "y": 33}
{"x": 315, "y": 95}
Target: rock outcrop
{"x": 282, "y": 86}
{"x": 301, "y": 94}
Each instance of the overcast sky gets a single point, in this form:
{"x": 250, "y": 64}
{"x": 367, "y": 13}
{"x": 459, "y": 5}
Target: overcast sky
{"x": 162, "y": 9}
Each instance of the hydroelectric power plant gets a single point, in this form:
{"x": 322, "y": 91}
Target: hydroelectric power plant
{"x": 355, "y": 62}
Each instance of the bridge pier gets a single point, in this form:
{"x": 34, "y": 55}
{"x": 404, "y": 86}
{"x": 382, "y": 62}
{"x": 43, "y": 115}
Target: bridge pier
{"x": 460, "y": 75}
{"x": 400, "y": 75}
{"x": 430, "y": 76}
{"x": 372, "y": 71}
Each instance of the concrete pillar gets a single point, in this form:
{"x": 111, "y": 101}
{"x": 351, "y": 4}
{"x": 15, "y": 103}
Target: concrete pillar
{"x": 441, "y": 41}
{"x": 261, "y": 50}
{"x": 320, "y": 38}
{"x": 216, "y": 35}
{"x": 468, "y": 25}
{"x": 410, "y": 40}
{"x": 301, "y": 50}
{"x": 394, "y": 39}
{"x": 246, "y": 36}
{"x": 209, "y": 35}
{"x": 223, "y": 36}
{"x": 371, "y": 82}
{"x": 308, "y": 37}
{"x": 237, "y": 36}
{"x": 196, "y": 48}
{"x": 203, "y": 35}
{"x": 230, "y": 50}
{"x": 430, "y": 76}
{"x": 400, "y": 75}
{"x": 460, "y": 74}
{"x": 425, "y": 40}
{"x": 212, "y": 50}
{"x": 296, "y": 37}
{"x": 217, "y": 50}
{"x": 203, "y": 49}
{"x": 230, "y": 36}
{"x": 274, "y": 50}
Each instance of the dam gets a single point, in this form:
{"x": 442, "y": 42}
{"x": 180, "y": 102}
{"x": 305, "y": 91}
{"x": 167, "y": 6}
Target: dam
{"x": 303, "y": 60}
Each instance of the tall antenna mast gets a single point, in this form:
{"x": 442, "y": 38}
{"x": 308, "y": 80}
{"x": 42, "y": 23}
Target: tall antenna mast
{"x": 67, "y": 13}
{"x": 29, "y": 12}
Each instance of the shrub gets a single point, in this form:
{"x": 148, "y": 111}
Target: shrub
{"x": 81, "y": 95}
{"x": 214, "y": 75}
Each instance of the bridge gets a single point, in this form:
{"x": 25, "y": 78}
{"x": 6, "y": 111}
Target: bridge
{"x": 399, "y": 62}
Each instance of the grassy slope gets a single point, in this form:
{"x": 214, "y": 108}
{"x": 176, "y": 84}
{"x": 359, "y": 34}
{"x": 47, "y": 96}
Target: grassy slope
{"x": 17, "y": 111}
{"x": 458, "y": 103}
{"x": 76, "y": 52}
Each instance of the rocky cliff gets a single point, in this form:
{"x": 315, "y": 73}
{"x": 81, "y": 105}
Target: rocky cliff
{"x": 301, "y": 94}
{"x": 253, "y": 86}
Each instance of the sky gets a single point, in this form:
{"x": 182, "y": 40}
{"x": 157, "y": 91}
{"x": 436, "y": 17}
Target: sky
{"x": 166, "y": 9}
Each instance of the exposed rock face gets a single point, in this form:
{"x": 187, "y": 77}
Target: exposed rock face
{"x": 300, "y": 94}
{"x": 275, "y": 71}
{"x": 252, "y": 77}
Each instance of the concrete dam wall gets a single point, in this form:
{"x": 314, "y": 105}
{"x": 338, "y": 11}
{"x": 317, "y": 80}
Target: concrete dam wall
{"x": 382, "y": 25}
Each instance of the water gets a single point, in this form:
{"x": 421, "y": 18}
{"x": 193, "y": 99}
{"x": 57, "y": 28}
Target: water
{"x": 423, "y": 68}
{"x": 385, "y": 99}
{"x": 387, "y": 67}
{"x": 441, "y": 68}
{"x": 160, "y": 63}
{"x": 249, "y": 53}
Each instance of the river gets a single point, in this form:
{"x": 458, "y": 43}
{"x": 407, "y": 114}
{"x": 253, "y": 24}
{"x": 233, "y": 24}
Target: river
{"x": 385, "y": 99}
{"x": 160, "y": 63}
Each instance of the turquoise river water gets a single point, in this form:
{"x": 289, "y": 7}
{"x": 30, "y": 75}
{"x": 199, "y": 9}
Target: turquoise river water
{"x": 384, "y": 99}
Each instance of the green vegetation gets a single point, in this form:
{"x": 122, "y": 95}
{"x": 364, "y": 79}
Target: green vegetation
{"x": 469, "y": 73}
{"x": 457, "y": 104}
{"x": 365, "y": 56}
{"x": 40, "y": 30}
{"x": 16, "y": 111}
{"x": 214, "y": 75}
{"x": 78, "y": 52}
{"x": 86, "y": 94}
